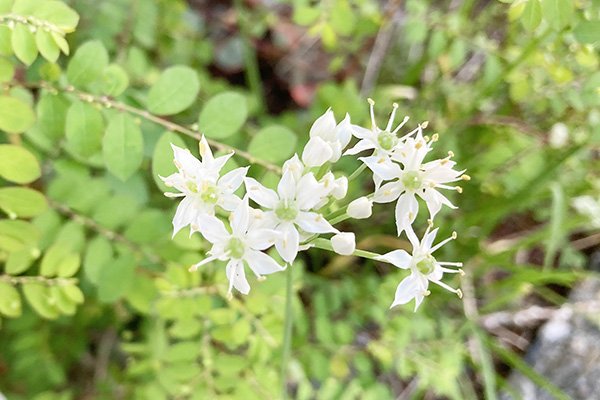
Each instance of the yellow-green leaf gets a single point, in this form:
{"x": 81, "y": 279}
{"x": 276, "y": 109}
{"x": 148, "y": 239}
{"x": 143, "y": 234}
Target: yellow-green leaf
{"x": 18, "y": 164}
{"x": 10, "y": 301}
{"x": 16, "y": 116}
{"x": 123, "y": 146}
{"x": 22, "y": 202}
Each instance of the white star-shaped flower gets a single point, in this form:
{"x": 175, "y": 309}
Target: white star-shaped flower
{"x": 415, "y": 179}
{"x": 201, "y": 186}
{"x": 424, "y": 268}
{"x": 290, "y": 208}
{"x": 244, "y": 245}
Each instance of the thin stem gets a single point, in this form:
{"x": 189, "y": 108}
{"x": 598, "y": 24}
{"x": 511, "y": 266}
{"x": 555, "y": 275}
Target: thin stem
{"x": 339, "y": 218}
{"x": 21, "y": 280}
{"x": 325, "y": 244}
{"x": 108, "y": 102}
{"x": 356, "y": 173}
{"x": 287, "y": 333}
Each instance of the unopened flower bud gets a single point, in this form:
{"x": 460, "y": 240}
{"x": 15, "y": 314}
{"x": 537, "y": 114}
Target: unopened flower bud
{"x": 344, "y": 243}
{"x": 340, "y": 188}
{"x": 316, "y": 153}
{"x": 360, "y": 208}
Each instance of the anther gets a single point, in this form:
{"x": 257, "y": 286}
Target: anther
{"x": 435, "y": 137}
{"x": 465, "y": 177}
{"x": 371, "y": 101}
{"x": 425, "y": 124}
{"x": 461, "y": 272}
{"x": 426, "y": 293}
{"x": 454, "y": 235}
{"x": 459, "y": 293}
{"x": 458, "y": 189}
{"x": 451, "y": 153}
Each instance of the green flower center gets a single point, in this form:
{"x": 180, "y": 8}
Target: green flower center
{"x": 426, "y": 265}
{"x": 286, "y": 212}
{"x": 192, "y": 187}
{"x": 210, "y": 194}
{"x": 412, "y": 180}
{"x": 236, "y": 248}
{"x": 387, "y": 140}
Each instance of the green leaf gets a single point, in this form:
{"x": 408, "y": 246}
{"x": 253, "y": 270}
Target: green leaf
{"x": 38, "y": 296}
{"x": 20, "y": 261}
{"x": 532, "y": 15}
{"x": 87, "y": 64}
{"x": 64, "y": 304}
{"x": 46, "y": 45}
{"x": 23, "y": 44}
{"x": 558, "y": 13}
{"x": 98, "y": 253}
{"x": 73, "y": 293}
{"x": 273, "y": 143}
{"x": 116, "y": 278}
{"x": 16, "y": 116}
{"x": 22, "y": 202}
{"x": 17, "y": 235}
{"x": 7, "y": 70}
{"x": 6, "y": 48}
{"x": 84, "y": 129}
{"x": 18, "y": 164}
{"x": 10, "y": 301}
{"x": 52, "y": 112}
{"x": 115, "y": 80}
{"x": 61, "y": 42}
{"x": 58, "y": 14}
{"x": 162, "y": 159}
{"x": 60, "y": 261}
{"x": 123, "y": 146}
{"x": 587, "y": 32}
{"x": 175, "y": 90}
{"x": 223, "y": 115}
{"x": 148, "y": 227}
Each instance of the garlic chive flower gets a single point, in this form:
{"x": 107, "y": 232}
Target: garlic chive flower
{"x": 416, "y": 179}
{"x": 289, "y": 209}
{"x": 243, "y": 245}
{"x": 201, "y": 186}
{"x": 327, "y": 140}
{"x": 424, "y": 268}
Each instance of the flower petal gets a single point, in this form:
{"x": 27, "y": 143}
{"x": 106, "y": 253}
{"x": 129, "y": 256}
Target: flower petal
{"x": 388, "y": 192}
{"x": 310, "y": 192}
{"x": 288, "y": 241}
{"x": 261, "y": 263}
{"x": 398, "y": 258}
{"x": 186, "y": 214}
{"x": 287, "y": 186}
{"x": 240, "y": 218}
{"x": 205, "y": 151}
{"x": 324, "y": 126}
{"x": 359, "y": 147}
{"x": 212, "y": 228}
{"x": 314, "y": 223}
{"x": 343, "y": 132}
{"x": 407, "y": 209}
{"x": 237, "y": 276}
{"x": 382, "y": 166}
{"x": 316, "y": 152}
{"x": 261, "y": 195}
{"x": 229, "y": 202}
{"x": 261, "y": 239}
{"x": 361, "y": 133}
{"x": 232, "y": 180}
{"x": 185, "y": 161}
{"x": 407, "y": 290}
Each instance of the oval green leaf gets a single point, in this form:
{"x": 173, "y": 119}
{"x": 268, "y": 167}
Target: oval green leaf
{"x": 22, "y": 202}
{"x": 223, "y": 115}
{"x": 84, "y": 129}
{"x": 123, "y": 146}
{"x": 10, "y": 301}
{"x": 23, "y": 44}
{"x": 175, "y": 90}
{"x": 87, "y": 64}
{"x": 18, "y": 164}
{"x": 273, "y": 143}
{"x": 16, "y": 116}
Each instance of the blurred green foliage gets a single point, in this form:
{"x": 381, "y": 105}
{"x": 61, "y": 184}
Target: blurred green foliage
{"x": 95, "y": 298}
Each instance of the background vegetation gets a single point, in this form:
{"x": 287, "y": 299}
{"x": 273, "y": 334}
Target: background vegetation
{"x": 95, "y": 297}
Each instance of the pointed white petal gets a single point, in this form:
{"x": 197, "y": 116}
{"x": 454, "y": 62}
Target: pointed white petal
{"x": 388, "y": 192}
{"x": 261, "y": 239}
{"x": 407, "y": 209}
{"x": 288, "y": 242}
{"x": 316, "y": 152}
{"x": 310, "y": 192}
{"x": 287, "y": 186}
{"x": 261, "y": 263}
{"x": 295, "y": 166}
{"x": 407, "y": 290}
{"x": 212, "y": 229}
{"x": 229, "y": 202}
{"x": 361, "y": 133}
{"x": 186, "y": 213}
{"x": 314, "y": 223}
{"x": 185, "y": 161}
{"x": 240, "y": 218}
{"x": 427, "y": 241}
{"x": 398, "y": 258}
{"x": 261, "y": 195}
{"x": 359, "y": 147}
{"x": 324, "y": 126}
{"x": 343, "y": 132}
{"x": 382, "y": 166}
{"x": 237, "y": 276}
{"x": 232, "y": 180}
{"x": 205, "y": 151}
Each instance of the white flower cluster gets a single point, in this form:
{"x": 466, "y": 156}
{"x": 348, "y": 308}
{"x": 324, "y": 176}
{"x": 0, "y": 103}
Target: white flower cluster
{"x": 291, "y": 218}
